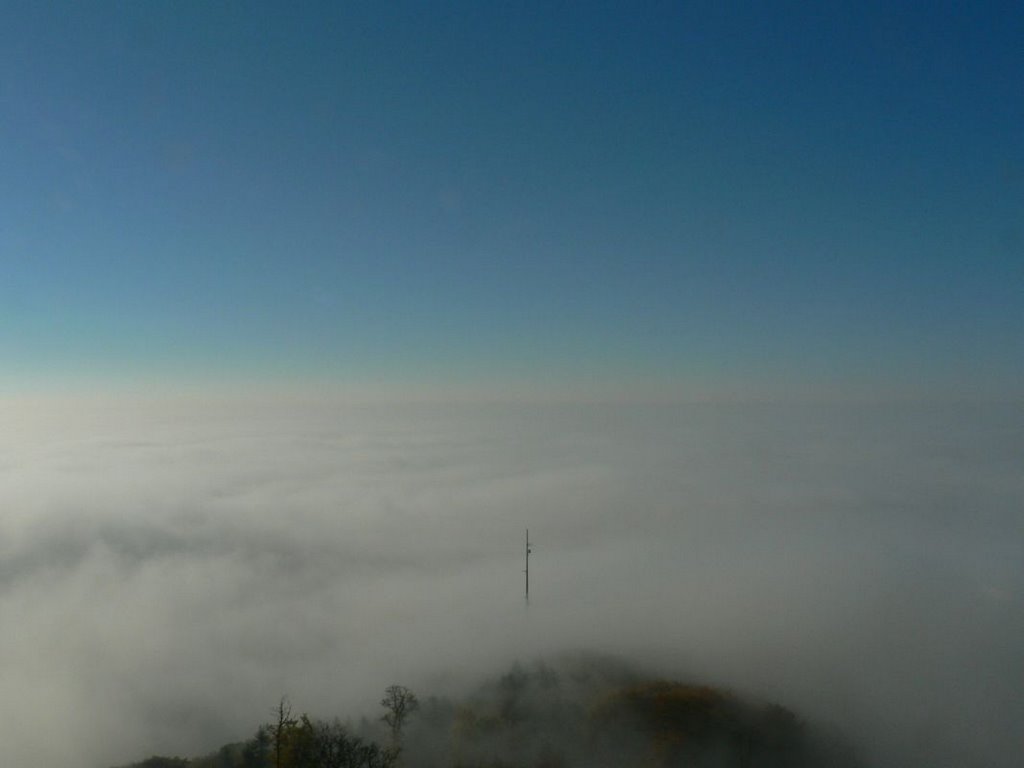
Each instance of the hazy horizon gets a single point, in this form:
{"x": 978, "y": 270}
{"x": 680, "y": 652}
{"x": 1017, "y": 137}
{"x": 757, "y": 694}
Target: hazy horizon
{"x": 168, "y": 573}
{"x": 307, "y": 311}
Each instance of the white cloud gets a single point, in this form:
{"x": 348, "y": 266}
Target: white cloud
{"x": 168, "y": 570}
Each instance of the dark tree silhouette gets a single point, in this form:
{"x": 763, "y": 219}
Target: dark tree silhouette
{"x": 334, "y": 747}
{"x": 399, "y": 702}
{"x": 256, "y": 752}
{"x": 281, "y": 730}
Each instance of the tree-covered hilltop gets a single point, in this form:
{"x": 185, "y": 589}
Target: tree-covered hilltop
{"x": 578, "y": 711}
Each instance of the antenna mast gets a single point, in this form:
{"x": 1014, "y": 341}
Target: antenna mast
{"x": 527, "y": 570}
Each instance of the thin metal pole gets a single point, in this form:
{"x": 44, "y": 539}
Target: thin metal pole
{"x": 527, "y": 571}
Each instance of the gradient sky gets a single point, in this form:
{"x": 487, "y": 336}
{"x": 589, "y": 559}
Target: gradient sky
{"x": 649, "y": 195}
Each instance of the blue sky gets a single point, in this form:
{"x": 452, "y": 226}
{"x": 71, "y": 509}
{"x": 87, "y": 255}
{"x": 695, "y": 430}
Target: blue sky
{"x": 666, "y": 197}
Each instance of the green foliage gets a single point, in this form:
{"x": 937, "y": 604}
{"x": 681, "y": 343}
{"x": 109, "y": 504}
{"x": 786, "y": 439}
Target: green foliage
{"x": 305, "y": 743}
{"x": 583, "y": 712}
{"x": 683, "y": 722}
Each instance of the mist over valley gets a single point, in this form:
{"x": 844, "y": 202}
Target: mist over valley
{"x": 169, "y": 569}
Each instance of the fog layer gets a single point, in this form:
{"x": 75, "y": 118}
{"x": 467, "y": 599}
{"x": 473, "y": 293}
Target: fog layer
{"x": 167, "y": 571}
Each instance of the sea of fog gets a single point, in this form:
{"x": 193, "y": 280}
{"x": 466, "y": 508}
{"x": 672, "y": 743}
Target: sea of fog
{"x": 169, "y": 569}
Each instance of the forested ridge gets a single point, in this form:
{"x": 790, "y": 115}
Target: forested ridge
{"x": 578, "y": 711}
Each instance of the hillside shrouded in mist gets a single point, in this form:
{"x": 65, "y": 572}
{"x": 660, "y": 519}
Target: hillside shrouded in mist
{"x": 168, "y": 571}
{"x": 574, "y": 710}
{"x": 309, "y": 310}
